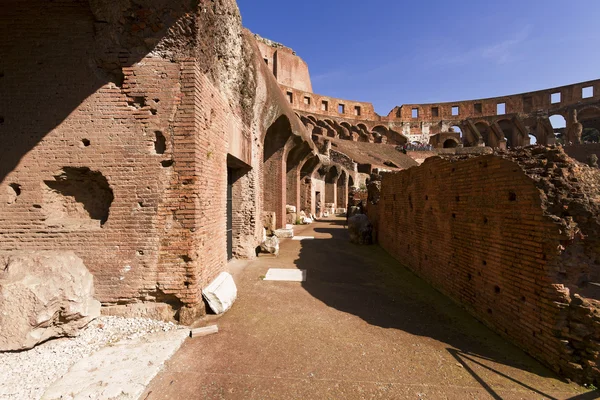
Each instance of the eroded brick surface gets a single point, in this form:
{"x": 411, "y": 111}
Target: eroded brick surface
{"x": 513, "y": 238}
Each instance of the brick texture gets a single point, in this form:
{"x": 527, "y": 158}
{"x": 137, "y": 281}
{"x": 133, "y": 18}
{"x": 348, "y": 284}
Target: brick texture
{"x": 485, "y": 232}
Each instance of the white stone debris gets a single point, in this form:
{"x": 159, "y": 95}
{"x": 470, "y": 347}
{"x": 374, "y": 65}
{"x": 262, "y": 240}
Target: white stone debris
{"x": 220, "y": 293}
{"x": 28, "y": 374}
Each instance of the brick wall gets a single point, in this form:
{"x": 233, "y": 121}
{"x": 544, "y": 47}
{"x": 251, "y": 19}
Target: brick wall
{"x": 151, "y": 127}
{"x": 486, "y": 234}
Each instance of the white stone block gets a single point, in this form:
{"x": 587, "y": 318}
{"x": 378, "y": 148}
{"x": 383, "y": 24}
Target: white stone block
{"x": 221, "y": 293}
{"x": 284, "y": 233}
{"x": 287, "y": 275}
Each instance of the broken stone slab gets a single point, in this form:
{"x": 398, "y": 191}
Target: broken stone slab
{"x": 290, "y": 209}
{"x": 119, "y": 371}
{"x": 220, "y": 293}
{"x": 270, "y": 245}
{"x": 43, "y": 295}
{"x": 284, "y": 233}
{"x": 285, "y": 275}
{"x": 204, "y": 331}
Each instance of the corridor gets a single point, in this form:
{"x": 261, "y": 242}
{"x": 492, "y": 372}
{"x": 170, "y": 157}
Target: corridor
{"x": 360, "y": 327}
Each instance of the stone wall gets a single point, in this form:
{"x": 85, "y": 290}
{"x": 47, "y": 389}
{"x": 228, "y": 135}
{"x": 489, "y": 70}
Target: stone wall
{"x": 119, "y": 127}
{"x": 512, "y": 237}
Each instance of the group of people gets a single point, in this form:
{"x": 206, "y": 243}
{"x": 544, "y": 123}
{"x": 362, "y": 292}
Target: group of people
{"x": 417, "y": 147}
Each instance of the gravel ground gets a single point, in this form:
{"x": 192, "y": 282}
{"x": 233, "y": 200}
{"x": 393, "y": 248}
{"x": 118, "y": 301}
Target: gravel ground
{"x": 27, "y": 374}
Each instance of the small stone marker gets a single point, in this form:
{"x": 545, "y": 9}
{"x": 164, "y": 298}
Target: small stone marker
{"x": 286, "y": 275}
{"x": 303, "y": 238}
{"x": 204, "y": 331}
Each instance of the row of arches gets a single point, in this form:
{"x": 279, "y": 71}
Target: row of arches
{"x": 358, "y": 133}
{"x": 294, "y": 173}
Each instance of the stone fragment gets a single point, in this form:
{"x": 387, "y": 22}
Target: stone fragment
{"x": 290, "y": 209}
{"x": 220, "y": 293}
{"x": 284, "y": 233}
{"x": 43, "y": 295}
{"x": 360, "y": 229}
{"x": 204, "y": 331}
{"x": 291, "y": 218}
{"x": 270, "y": 245}
{"x": 269, "y": 222}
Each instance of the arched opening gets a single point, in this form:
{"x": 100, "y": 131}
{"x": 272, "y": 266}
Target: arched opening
{"x": 350, "y": 181}
{"x": 456, "y": 128}
{"x": 274, "y": 168}
{"x": 532, "y": 139}
{"x": 509, "y": 132}
{"x": 348, "y": 134}
{"x": 342, "y": 190}
{"x": 307, "y": 185}
{"x": 450, "y": 143}
{"x": 331, "y": 178}
{"x": 294, "y": 163}
{"x": 559, "y": 127}
{"x": 484, "y": 131}
{"x": 590, "y": 120}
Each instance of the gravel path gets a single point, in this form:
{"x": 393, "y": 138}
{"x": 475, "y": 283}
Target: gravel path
{"x": 27, "y": 374}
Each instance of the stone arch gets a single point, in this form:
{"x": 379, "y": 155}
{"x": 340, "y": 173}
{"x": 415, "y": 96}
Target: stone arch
{"x": 509, "y": 131}
{"x": 307, "y": 187}
{"x": 450, "y": 143}
{"x": 559, "y": 126}
{"x": 458, "y": 129}
{"x": 589, "y": 117}
{"x": 277, "y": 142}
{"x": 486, "y": 133}
{"x": 312, "y": 118}
{"x": 294, "y": 162}
{"x": 331, "y": 178}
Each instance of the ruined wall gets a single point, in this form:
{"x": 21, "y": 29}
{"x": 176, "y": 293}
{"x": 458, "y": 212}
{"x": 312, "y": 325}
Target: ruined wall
{"x": 289, "y": 69}
{"x": 514, "y": 239}
{"x": 119, "y": 126}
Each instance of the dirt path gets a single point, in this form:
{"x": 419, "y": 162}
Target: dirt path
{"x": 360, "y": 327}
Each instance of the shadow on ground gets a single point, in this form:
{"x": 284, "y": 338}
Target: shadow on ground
{"x": 367, "y": 282}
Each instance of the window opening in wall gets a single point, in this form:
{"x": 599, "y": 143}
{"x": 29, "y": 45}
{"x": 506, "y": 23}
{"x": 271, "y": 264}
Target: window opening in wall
{"x": 455, "y": 110}
{"x": 290, "y": 97}
{"x": 415, "y": 113}
{"x": 435, "y": 112}
{"x": 555, "y": 98}
{"x": 307, "y": 100}
{"x": 324, "y": 105}
{"x": 587, "y": 92}
{"x": 500, "y": 108}
{"x": 341, "y": 109}
{"x": 478, "y": 108}
{"x": 357, "y": 110}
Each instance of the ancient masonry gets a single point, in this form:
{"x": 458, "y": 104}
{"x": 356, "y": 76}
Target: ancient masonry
{"x": 157, "y": 139}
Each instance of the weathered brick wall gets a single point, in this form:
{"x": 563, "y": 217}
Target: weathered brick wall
{"x": 130, "y": 105}
{"x": 513, "y": 240}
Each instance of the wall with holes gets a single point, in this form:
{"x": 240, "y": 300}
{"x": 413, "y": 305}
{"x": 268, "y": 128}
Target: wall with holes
{"x": 479, "y": 231}
{"x": 116, "y": 143}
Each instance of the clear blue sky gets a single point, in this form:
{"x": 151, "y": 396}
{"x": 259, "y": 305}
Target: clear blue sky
{"x": 390, "y": 52}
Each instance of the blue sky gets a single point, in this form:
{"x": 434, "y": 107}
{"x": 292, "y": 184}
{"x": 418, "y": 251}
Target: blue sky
{"x": 393, "y": 52}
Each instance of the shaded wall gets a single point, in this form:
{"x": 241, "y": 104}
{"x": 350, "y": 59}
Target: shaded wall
{"x": 501, "y": 244}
